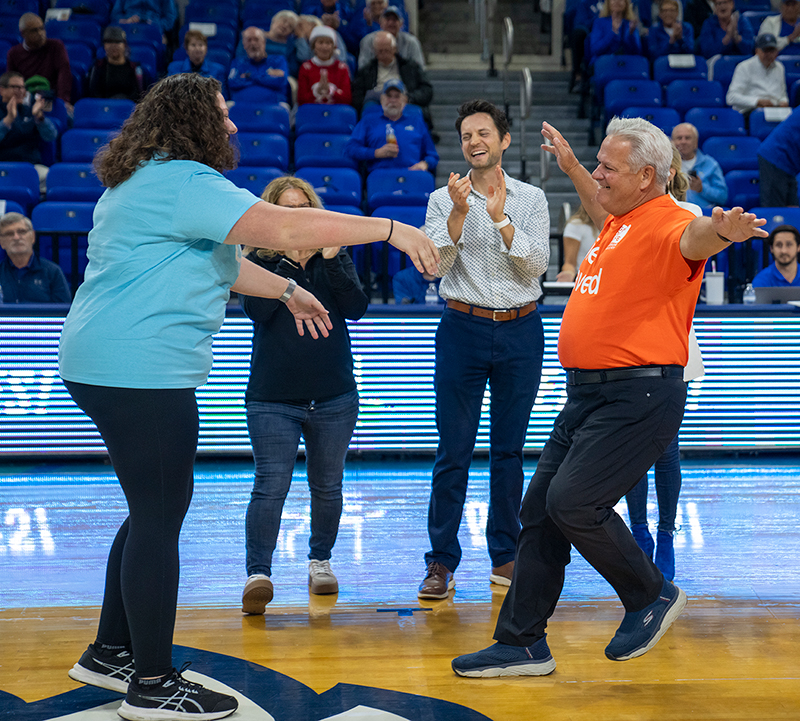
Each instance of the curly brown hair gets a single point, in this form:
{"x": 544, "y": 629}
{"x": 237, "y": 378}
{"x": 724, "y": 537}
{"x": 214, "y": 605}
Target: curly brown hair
{"x": 178, "y": 119}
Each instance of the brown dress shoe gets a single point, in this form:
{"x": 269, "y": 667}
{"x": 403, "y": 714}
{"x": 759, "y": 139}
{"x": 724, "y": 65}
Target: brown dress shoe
{"x": 438, "y": 583}
{"x": 502, "y": 574}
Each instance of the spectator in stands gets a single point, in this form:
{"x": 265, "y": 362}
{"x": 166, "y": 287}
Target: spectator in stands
{"x": 323, "y": 79}
{"x": 388, "y": 65}
{"x": 161, "y": 13}
{"x": 305, "y": 25}
{"x": 779, "y": 164}
{"x": 393, "y": 139}
{"x": 585, "y": 15}
{"x": 696, "y": 12}
{"x": 785, "y": 27}
{"x": 23, "y": 127}
{"x": 333, "y": 13}
{"x": 196, "y": 46}
{"x": 408, "y": 46}
{"x": 116, "y": 75}
{"x": 38, "y": 55}
{"x": 760, "y": 81}
{"x": 614, "y": 32}
{"x": 24, "y": 277}
{"x": 579, "y": 236}
{"x": 707, "y": 185}
{"x": 409, "y": 286}
{"x": 280, "y": 38}
{"x": 268, "y": 72}
{"x": 725, "y": 33}
{"x": 369, "y": 21}
{"x": 784, "y": 242}
{"x": 669, "y": 35}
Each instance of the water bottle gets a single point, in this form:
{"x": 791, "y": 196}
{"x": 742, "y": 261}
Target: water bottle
{"x": 1, "y": 293}
{"x": 749, "y": 295}
{"x": 431, "y": 295}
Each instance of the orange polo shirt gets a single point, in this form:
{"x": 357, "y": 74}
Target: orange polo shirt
{"x": 635, "y": 293}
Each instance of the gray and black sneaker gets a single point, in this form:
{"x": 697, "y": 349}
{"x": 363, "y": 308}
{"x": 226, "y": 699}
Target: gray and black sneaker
{"x": 174, "y": 698}
{"x": 110, "y": 669}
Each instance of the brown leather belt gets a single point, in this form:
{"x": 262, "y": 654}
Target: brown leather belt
{"x": 506, "y": 314}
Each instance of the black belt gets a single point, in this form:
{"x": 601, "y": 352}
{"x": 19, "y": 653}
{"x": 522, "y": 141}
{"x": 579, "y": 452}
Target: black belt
{"x": 579, "y": 378}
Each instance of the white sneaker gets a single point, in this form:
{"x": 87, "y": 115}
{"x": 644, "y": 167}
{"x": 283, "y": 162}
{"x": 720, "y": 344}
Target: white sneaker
{"x": 257, "y": 594}
{"x": 320, "y": 578}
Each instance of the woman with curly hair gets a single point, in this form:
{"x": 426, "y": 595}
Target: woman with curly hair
{"x": 163, "y": 258}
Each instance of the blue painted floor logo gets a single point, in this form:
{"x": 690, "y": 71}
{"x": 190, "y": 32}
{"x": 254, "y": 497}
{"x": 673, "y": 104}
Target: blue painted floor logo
{"x": 263, "y": 695}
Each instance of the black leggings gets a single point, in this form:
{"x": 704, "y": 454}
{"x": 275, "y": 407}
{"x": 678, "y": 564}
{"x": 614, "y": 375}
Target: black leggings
{"x": 151, "y": 436}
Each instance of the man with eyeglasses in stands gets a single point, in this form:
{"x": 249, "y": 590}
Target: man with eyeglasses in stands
{"x": 39, "y": 55}
{"x": 24, "y": 277}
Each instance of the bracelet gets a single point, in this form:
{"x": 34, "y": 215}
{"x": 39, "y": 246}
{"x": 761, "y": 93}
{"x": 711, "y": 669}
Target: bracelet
{"x": 289, "y": 290}
{"x": 725, "y": 239}
{"x": 391, "y": 230}
{"x": 502, "y": 224}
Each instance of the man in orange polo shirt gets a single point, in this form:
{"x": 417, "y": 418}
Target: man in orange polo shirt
{"x": 624, "y": 343}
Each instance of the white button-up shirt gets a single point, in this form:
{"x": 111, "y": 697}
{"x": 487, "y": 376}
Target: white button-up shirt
{"x": 479, "y": 269}
{"x": 751, "y": 81}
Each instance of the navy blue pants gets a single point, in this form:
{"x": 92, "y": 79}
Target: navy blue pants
{"x": 668, "y": 487}
{"x": 603, "y": 441}
{"x": 469, "y": 352}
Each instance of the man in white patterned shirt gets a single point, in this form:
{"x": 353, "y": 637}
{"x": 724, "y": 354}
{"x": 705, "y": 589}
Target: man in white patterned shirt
{"x": 493, "y": 235}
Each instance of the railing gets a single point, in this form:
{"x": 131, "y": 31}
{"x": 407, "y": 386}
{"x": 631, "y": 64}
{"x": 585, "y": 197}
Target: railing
{"x": 508, "y": 53}
{"x": 525, "y": 102}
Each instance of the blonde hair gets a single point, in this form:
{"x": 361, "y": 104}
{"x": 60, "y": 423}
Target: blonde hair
{"x": 290, "y": 14}
{"x": 629, "y": 14}
{"x": 581, "y": 216}
{"x": 679, "y": 183}
{"x": 272, "y": 194}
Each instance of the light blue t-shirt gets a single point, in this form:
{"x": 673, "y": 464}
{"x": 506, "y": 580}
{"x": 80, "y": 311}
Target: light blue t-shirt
{"x": 158, "y": 279}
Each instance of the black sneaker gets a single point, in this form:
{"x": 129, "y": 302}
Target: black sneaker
{"x": 112, "y": 670}
{"x": 173, "y": 699}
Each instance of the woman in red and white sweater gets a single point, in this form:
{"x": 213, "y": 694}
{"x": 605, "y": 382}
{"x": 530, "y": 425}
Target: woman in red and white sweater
{"x": 323, "y": 79}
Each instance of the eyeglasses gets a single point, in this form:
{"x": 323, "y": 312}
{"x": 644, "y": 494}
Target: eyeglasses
{"x": 14, "y": 233}
{"x": 303, "y": 205}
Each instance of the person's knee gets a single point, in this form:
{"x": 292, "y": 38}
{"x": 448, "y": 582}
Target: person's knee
{"x": 565, "y": 508}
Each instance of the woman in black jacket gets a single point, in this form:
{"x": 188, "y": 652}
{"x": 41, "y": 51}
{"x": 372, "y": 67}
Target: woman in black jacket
{"x": 296, "y": 389}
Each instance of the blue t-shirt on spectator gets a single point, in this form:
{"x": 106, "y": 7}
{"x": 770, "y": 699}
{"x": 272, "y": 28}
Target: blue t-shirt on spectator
{"x": 771, "y": 277}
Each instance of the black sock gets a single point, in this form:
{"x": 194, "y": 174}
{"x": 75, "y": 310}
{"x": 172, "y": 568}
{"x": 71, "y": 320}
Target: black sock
{"x": 104, "y": 649}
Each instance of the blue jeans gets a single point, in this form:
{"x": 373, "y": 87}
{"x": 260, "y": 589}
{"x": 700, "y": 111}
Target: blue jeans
{"x": 275, "y": 430}
{"x": 668, "y": 488}
{"x": 470, "y": 351}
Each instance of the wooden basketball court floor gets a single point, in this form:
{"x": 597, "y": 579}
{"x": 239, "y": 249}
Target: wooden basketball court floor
{"x": 374, "y": 651}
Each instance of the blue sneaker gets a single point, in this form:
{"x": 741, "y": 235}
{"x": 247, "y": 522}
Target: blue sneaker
{"x": 642, "y": 536}
{"x": 665, "y": 554}
{"x": 640, "y": 630}
{"x": 504, "y": 660}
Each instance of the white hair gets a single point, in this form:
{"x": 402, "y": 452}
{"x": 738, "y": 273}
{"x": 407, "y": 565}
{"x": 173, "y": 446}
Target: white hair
{"x": 649, "y": 145}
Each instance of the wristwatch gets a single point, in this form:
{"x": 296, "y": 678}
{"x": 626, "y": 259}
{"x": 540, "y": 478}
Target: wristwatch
{"x": 503, "y": 223}
{"x": 289, "y": 290}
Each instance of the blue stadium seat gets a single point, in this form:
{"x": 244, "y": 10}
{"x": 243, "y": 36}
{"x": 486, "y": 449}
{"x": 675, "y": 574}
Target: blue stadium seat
{"x": 685, "y": 94}
{"x": 322, "y": 151}
{"x": 664, "y": 118}
{"x": 791, "y": 65}
{"x": 664, "y": 74}
{"x": 778, "y": 216}
{"x": 347, "y": 210}
{"x": 19, "y": 182}
{"x": 760, "y": 127}
{"x": 62, "y": 230}
{"x": 102, "y": 113}
{"x": 390, "y": 186}
{"x": 252, "y": 178}
{"x": 79, "y": 145}
{"x": 750, "y": 5}
{"x": 9, "y": 29}
{"x": 617, "y": 67}
{"x": 621, "y": 94}
{"x": 81, "y": 56}
{"x": 716, "y": 121}
{"x": 70, "y": 182}
{"x": 15, "y": 8}
{"x": 743, "y": 188}
{"x": 5, "y": 46}
{"x": 97, "y": 10}
{"x": 78, "y": 29}
{"x": 221, "y": 14}
{"x": 733, "y": 153}
{"x": 410, "y": 214}
{"x": 260, "y": 118}
{"x": 10, "y": 206}
{"x": 144, "y": 34}
{"x": 334, "y": 119}
{"x": 721, "y": 67}
{"x": 266, "y": 150}
{"x": 335, "y": 186}
{"x": 148, "y": 57}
